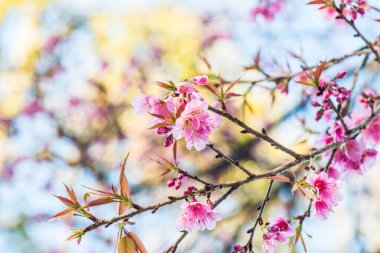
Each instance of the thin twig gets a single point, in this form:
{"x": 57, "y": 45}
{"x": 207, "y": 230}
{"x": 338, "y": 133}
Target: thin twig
{"x": 353, "y": 26}
{"x": 228, "y": 159}
{"x": 248, "y": 246}
{"x": 250, "y": 130}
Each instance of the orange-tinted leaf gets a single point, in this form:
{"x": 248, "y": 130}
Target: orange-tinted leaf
{"x": 61, "y": 214}
{"x": 98, "y": 192}
{"x": 99, "y": 201}
{"x": 126, "y": 245}
{"x": 140, "y": 246}
{"x": 65, "y": 201}
{"x": 231, "y": 94}
{"x": 158, "y": 125}
{"x": 319, "y": 70}
{"x": 280, "y": 178}
{"x": 175, "y": 151}
{"x": 157, "y": 115}
{"x": 124, "y": 186}
{"x": 212, "y": 88}
{"x": 317, "y": 2}
{"x": 232, "y": 85}
{"x": 165, "y": 172}
{"x": 71, "y": 194}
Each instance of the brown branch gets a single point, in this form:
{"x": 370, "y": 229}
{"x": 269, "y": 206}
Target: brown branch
{"x": 248, "y": 246}
{"x": 174, "y": 247}
{"x": 250, "y": 130}
{"x": 230, "y": 160}
{"x": 236, "y": 184}
{"x": 358, "y": 33}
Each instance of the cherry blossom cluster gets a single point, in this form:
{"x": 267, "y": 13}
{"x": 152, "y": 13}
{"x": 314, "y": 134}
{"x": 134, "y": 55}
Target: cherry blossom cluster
{"x": 268, "y": 10}
{"x": 181, "y": 114}
{"x": 356, "y": 7}
{"x": 176, "y": 182}
{"x": 325, "y": 91}
{"x": 197, "y": 216}
{"x": 277, "y": 231}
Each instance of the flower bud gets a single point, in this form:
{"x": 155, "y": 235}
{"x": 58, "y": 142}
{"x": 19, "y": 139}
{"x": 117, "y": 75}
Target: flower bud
{"x": 162, "y": 130}
{"x": 177, "y": 185}
{"x": 191, "y": 188}
{"x": 326, "y": 94}
{"x": 168, "y": 141}
{"x": 170, "y": 182}
{"x": 180, "y": 176}
{"x": 340, "y": 75}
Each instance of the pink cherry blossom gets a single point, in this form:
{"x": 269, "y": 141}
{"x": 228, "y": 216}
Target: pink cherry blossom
{"x": 327, "y": 194}
{"x": 338, "y": 132}
{"x": 278, "y": 231}
{"x": 355, "y": 157}
{"x": 371, "y": 133}
{"x": 197, "y": 216}
{"x": 195, "y": 124}
{"x": 269, "y": 244}
{"x": 199, "y": 80}
{"x": 185, "y": 88}
{"x": 142, "y": 103}
{"x": 267, "y": 10}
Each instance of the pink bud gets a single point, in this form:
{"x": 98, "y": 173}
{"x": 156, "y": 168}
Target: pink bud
{"x": 162, "y": 130}
{"x": 361, "y": 11}
{"x": 335, "y": 93}
{"x": 209, "y": 203}
{"x": 168, "y": 141}
{"x": 177, "y": 185}
{"x": 170, "y": 182}
{"x": 340, "y": 75}
{"x": 191, "y": 188}
{"x": 319, "y": 114}
{"x": 326, "y": 94}
{"x": 315, "y": 104}
{"x": 237, "y": 247}
{"x": 186, "y": 192}
{"x": 326, "y": 105}
{"x": 353, "y": 14}
{"x": 344, "y": 90}
{"x": 180, "y": 176}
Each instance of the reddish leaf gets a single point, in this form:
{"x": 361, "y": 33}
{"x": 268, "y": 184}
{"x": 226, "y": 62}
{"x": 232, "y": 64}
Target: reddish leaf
{"x": 175, "y": 151}
{"x": 140, "y": 246}
{"x": 165, "y": 172}
{"x": 71, "y": 194}
{"x": 232, "y": 84}
{"x": 99, "y": 201}
{"x": 65, "y": 201}
{"x": 231, "y": 94}
{"x": 157, "y": 115}
{"x": 61, "y": 214}
{"x": 126, "y": 245}
{"x": 212, "y": 88}
{"x": 158, "y": 125}
{"x": 124, "y": 186}
{"x": 280, "y": 178}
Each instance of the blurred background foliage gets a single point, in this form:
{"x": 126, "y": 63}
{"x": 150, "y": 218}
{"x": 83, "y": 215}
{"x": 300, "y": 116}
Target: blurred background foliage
{"x": 68, "y": 72}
